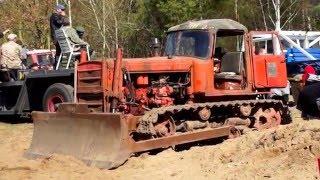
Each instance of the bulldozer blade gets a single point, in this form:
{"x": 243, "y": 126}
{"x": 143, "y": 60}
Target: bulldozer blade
{"x": 99, "y": 139}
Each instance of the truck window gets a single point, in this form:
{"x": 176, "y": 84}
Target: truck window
{"x": 263, "y": 47}
{"x": 267, "y": 44}
{"x": 231, "y": 41}
{"x": 188, "y": 43}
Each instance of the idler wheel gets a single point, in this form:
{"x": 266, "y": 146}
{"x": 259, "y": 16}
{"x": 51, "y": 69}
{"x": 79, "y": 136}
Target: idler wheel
{"x": 165, "y": 128}
{"x": 205, "y": 114}
{"x": 267, "y": 119}
{"x": 245, "y": 110}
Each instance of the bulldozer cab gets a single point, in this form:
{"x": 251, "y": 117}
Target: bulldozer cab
{"x": 229, "y": 56}
{"x": 232, "y": 51}
{"x": 219, "y": 46}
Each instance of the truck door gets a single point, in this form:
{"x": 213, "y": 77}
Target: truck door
{"x": 269, "y": 67}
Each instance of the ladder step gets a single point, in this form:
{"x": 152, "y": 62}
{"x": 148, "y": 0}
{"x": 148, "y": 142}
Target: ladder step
{"x": 92, "y": 103}
{"x": 89, "y": 78}
{"x": 89, "y": 89}
{"x": 88, "y": 70}
{"x": 85, "y": 100}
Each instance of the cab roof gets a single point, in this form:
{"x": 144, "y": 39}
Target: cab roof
{"x": 209, "y": 24}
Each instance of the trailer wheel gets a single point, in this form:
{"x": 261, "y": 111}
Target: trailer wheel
{"x": 55, "y": 95}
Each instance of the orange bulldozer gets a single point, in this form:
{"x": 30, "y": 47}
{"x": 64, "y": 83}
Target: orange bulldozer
{"x": 210, "y": 82}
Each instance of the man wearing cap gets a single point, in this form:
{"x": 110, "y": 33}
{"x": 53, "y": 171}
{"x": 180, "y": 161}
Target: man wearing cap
{"x": 11, "y": 56}
{"x": 57, "y": 19}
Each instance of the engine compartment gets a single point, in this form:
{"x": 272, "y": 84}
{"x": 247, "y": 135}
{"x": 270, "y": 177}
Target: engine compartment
{"x": 143, "y": 92}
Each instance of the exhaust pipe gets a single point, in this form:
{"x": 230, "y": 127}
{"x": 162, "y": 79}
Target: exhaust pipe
{"x": 116, "y": 80}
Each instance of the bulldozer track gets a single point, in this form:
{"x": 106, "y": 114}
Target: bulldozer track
{"x": 151, "y": 117}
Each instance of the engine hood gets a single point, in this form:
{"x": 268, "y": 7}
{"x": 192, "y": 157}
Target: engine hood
{"x": 159, "y": 64}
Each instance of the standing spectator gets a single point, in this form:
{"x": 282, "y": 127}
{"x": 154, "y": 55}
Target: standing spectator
{"x": 307, "y": 71}
{"x": 57, "y": 19}
{"x": 11, "y": 56}
{"x": 307, "y": 101}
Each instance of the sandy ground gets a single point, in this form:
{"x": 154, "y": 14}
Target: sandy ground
{"x": 288, "y": 152}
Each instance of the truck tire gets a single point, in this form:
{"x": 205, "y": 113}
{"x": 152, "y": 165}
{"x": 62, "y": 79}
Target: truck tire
{"x": 56, "y": 94}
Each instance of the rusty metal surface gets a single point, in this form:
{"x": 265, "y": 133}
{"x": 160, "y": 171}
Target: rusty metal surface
{"x": 209, "y": 24}
{"x": 182, "y": 138}
{"x": 267, "y": 118}
{"x": 95, "y": 138}
{"x": 99, "y": 139}
{"x": 104, "y": 139}
{"x": 147, "y": 121}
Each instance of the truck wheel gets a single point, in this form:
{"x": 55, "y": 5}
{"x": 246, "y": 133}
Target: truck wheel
{"x": 55, "y": 95}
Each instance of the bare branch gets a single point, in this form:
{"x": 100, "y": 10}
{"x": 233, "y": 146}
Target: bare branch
{"x": 290, "y": 18}
{"x": 263, "y": 16}
{"x": 288, "y": 8}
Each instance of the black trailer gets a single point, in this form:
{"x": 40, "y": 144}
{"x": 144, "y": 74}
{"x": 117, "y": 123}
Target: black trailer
{"x": 41, "y": 90}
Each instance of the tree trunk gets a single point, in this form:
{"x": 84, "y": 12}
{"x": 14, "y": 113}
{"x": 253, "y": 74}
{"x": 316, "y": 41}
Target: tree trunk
{"x": 263, "y": 16}
{"x": 236, "y": 10}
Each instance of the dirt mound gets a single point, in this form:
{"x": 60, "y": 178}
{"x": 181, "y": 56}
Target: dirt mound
{"x": 15, "y": 140}
{"x": 286, "y": 152}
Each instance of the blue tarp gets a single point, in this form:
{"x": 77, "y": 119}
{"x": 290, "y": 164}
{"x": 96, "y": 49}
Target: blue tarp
{"x": 296, "y": 61}
{"x": 294, "y": 55}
